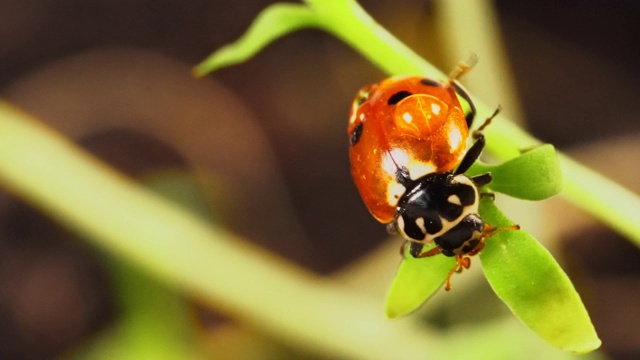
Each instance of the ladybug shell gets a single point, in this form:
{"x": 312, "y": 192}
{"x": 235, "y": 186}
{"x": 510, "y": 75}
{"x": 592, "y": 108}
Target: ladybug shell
{"x": 409, "y": 122}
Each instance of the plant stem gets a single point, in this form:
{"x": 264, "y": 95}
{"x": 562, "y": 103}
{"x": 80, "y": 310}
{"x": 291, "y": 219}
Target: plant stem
{"x": 183, "y": 251}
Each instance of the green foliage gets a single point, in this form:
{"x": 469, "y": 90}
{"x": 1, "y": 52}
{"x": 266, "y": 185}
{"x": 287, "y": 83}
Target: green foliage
{"x": 415, "y": 282}
{"x": 272, "y": 23}
{"x": 534, "y": 175}
{"x": 522, "y": 272}
{"x": 529, "y": 280}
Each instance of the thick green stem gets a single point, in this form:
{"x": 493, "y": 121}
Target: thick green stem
{"x": 180, "y": 249}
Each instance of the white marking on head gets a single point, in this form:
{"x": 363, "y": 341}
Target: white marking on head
{"x": 466, "y": 210}
{"x": 454, "y": 199}
{"x": 400, "y": 224}
{"x": 420, "y": 223}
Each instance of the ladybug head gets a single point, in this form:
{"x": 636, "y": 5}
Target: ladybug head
{"x": 441, "y": 207}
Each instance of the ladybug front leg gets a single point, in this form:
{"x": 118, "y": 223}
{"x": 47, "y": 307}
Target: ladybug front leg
{"x": 462, "y": 262}
{"x": 416, "y": 250}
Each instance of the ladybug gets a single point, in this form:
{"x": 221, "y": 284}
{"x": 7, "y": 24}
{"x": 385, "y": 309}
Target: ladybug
{"x": 408, "y": 152}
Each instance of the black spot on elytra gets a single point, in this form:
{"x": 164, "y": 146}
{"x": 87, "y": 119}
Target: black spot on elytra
{"x": 355, "y": 135}
{"x": 430, "y": 82}
{"x": 397, "y": 97}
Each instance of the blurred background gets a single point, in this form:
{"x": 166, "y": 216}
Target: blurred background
{"x": 262, "y": 148}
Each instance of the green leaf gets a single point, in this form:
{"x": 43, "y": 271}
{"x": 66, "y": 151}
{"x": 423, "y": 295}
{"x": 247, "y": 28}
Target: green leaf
{"x": 531, "y": 283}
{"x": 415, "y": 282}
{"x": 272, "y": 23}
{"x": 534, "y": 175}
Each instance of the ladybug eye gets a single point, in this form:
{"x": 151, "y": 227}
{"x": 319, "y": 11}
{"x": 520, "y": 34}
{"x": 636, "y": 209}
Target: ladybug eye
{"x": 397, "y": 97}
{"x": 430, "y": 82}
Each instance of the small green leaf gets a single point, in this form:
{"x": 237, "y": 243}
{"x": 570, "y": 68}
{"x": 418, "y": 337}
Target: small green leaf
{"x": 415, "y": 282}
{"x": 534, "y": 175}
{"x": 272, "y": 23}
{"x": 531, "y": 283}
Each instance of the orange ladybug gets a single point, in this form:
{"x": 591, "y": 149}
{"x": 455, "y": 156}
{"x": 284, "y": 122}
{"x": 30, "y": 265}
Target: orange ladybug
{"x": 408, "y": 151}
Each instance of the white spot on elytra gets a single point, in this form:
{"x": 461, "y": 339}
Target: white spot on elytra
{"x": 418, "y": 169}
{"x": 393, "y": 160}
{"x": 455, "y": 138}
{"x": 394, "y": 192}
{"x": 435, "y": 108}
{"x": 407, "y": 117}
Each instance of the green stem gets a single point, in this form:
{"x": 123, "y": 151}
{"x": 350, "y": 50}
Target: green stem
{"x": 606, "y": 200}
{"x": 349, "y": 22}
{"x": 169, "y": 243}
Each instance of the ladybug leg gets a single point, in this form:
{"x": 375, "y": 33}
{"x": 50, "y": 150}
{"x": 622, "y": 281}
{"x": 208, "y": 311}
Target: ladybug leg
{"x": 477, "y": 250}
{"x": 476, "y": 149}
{"x": 403, "y": 248}
{"x": 482, "y": 180}
{"x": 489, "y": 231}
{"x": 432, "y": 252}
{"x": 415, "y": 248}
{"x": 472, "y": 108}
{"x": 462, "y": 262}
{"x": 471, "y": 156}
{"x": 490, "y": 195}
{"x": 477, "y": 134}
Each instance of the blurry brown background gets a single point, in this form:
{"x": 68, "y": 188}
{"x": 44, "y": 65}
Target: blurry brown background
{"x": 115, "y": 76}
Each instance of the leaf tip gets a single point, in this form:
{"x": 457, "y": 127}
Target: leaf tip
{"x": 585, "y": 346}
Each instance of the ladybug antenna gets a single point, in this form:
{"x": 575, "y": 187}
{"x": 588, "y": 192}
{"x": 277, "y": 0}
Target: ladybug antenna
{"x": 463, "y": 67}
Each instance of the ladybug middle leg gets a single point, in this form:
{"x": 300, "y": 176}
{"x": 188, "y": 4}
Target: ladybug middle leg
{"x": 477, "y": 134}
{"x": 476, "y": 149}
